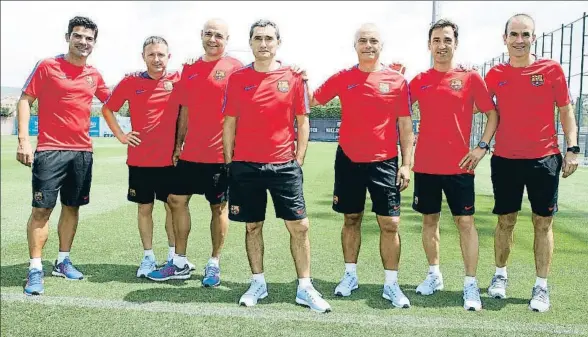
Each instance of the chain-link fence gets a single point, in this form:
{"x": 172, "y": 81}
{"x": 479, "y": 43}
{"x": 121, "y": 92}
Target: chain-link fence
{"x": 569, "y": 46}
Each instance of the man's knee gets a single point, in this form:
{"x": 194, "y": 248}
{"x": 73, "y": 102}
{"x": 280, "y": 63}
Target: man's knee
{"x": 542, "y": 224}
{"x": 145, "y": 210}
{"x": 389, "y": 224}
{"x": 431, "y": 221}
{"x": 254, "y": 227}
{"x": 219, "y": 210}
{"x": 507, "y": 222}
{"x": 464, "y": 223}
{"x": 298, "y": 227}
{"x": 353, "y": 219}
{"x": 176, "y": 202}
{"x": 41, "y": 215}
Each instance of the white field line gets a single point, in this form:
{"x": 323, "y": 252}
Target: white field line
{"x": 195, "y": 309}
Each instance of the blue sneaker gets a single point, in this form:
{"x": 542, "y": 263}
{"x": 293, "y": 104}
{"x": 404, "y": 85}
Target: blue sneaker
{"x": 67, "y": 270}
{"x": 170, "y": 272}
{"x": 311, "y": 298}
{"x": 211, "y": 275}
{"x": 34, "y": 284}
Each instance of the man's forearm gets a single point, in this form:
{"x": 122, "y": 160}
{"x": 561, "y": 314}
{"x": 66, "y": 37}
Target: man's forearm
{"x": 569, "y": 126}
{"x": 23, "y": 109}
{"x": 112, "y": 122}
{"x": 303, "y": 135}
{"x": 406, "y": 140}
{"x": 229, "y": 128}
{"x": 181, "y": 127}
{"x": 491, "y": 125}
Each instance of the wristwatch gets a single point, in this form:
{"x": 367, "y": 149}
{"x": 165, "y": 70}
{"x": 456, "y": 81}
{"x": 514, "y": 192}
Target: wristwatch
{"x": 573, "y": 149}
{"x": 484, "y": 145}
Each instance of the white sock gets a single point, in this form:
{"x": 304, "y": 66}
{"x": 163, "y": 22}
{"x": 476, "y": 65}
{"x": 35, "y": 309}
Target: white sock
{"x": 214, "y": 261}
{"x": 469, "y": 280}
{"x": 542, "y": 282}
{"x": 351, "y": 268}
{"x": 434, "y": 269}
{"x": 149, "y": 252}
{"x": 171, "y": 252}
{"x": 501, "y": 272}
{"x": 304, "y": 282}
{"x": 180, "y": 261}
{"x": 258, "y": 278}
{"x": 35, "y": 263}
{"x": 61, "y": 256}
{"x": 391, "y": 276}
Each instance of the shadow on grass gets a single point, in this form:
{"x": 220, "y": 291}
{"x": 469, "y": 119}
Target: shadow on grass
{"x": 370, "y": 294}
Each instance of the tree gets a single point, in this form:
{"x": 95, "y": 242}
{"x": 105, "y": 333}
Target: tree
{"x": 5, "y": 112}
{"x": 327, "y": 111}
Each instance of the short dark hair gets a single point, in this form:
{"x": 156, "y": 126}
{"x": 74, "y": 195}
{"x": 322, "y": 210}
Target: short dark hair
{"x": 264, "y": 23}
{"x": 154, "y": 40}
{"x": 442, "y": 24}
{"x": 526, "y": 16}
{"x": 82, "y": 21}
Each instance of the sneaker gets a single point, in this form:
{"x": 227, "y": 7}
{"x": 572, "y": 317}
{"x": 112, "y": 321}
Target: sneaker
{"x": 211, "y": 275}
{"x": 540, "y": 300}
{"x": 347, "y": 285}
{"x": 471, "y": 297}
{"x": 170, "y": 272}
{"x": 432, "y": 283}
{"x": 311, "y": 298}
{"x": 190, "y": 264}
{"x": 34, "y": 284}
{"x": 256, "y": 292}
{"x": 394, "y": 294}
{"x": 497, "y": 288}
{"x": 66, "y": 269}
{"x": 147, "y": 265}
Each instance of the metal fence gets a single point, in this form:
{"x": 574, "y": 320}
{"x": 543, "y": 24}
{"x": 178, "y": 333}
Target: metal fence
{"x": 569, "y": 46}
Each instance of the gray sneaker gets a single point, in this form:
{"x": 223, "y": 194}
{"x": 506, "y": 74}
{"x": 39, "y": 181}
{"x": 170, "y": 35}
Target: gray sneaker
{"x": 497, "y": 288}
{"x": 540, "y": 300}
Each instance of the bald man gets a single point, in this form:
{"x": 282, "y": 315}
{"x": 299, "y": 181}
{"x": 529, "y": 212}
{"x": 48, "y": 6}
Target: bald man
{"x": 198, "y": 153}
{"x": 374, "y": 100}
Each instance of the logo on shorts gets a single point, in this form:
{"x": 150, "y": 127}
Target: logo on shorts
{"x": 283, "y": 86}
{"x": 416, "y": 200}
{"x": 234, "y": 209}
{"x": 467, "y": 208}
{"x": 300, "y": 211}
{"x": 168, "y": 85}
{"x": 335, "y": 199}
{"x": 219, "y": 75}
{"x": 396, "y": 207}
{"x": 551, "y": 208}
{"x": 132, "y": 192}
{"x": 456, "y": 84}
{"x": 90, "y": 80}
{"x": 384, "y": 88}
{"x": 38, "y": 196}
{"x": 537, "y": 80}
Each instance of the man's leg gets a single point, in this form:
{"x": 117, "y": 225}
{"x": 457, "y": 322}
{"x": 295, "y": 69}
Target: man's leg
{"x": 300, "y": 246}
{"x": 37, "y": 234}
{"x": 254, "y": 246}
{"x": 169, "y": 231}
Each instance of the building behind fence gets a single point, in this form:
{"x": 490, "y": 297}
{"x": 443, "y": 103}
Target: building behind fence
{"x": 569, "y": 46}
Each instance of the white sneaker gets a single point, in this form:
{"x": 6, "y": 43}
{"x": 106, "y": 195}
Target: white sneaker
{"x": 471, "y": 297}
{"x": 432, "y": 283}
{"x": 497, "y": 288}
{"x": 540, "y": 300}
{"x": 394, "y": 294}
{"x": 311, "y": 298}
{"x": 256, "y": 291}
{"x": 347, "y": 285}
{"x": 148, "y": 264}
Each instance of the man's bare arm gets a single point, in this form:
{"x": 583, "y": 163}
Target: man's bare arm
{"x": 568, "y": 123}
{"x": 491, "y": 125}
{"x": 406, "y": 139}
{"x": 24, "y": 151}
{"x": 303, "y": 125}
{"x": 229, "y": 129}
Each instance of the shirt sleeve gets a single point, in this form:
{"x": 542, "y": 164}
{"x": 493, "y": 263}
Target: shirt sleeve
{"x": 490, "y": 82}
{"x": 413, "y": 88}
{"x": 34, "y": 82}
{"x": 560, "y": 86}
{"x": 404, "y": 106}
{"x": 328, "y": 90}
{"x": 482, "y": 96}
{"x": 102, "y": 91}
{"x": 301, "y": 104}
{"x": 230, "y": 102}
{"x": 118, "y": 96}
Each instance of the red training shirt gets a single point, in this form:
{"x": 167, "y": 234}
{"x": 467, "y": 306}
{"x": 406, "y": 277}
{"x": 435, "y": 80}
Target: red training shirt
{"x": 202, "y": 90}
{"x": 265, "y": 105}
{"x": 525, "y": 100}
{"x": 64, "y": 92}
{"x": 371, "y": 103}
{"x": 153, "y": 115}
{"x": 446, "y": 103}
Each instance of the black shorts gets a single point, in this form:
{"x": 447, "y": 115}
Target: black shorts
{"x": 459, "y": 192}
{"x": 540, "y": 177}
{"x": 248, "y": 185}
{"x": 352, "y": 179}
{"x": 206, "y": 179}
{"x": 149, "y": 183}
{"x": 68, "y": 173}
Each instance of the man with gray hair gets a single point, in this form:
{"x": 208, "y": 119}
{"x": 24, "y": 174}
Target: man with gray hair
{"x": 262, "y": 101}
{"x": 367, "y": 156}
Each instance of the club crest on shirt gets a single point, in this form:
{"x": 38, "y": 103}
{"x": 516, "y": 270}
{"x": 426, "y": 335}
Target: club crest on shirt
{"x": 219, "y": 75}
{"x": 283, "y": 86}
{"x": 90, "y": 80}
{"x": 384, "y": 88}
{"x": 168, "y": 85}
{"x": 537, "y": 80}
{"x": 456, "y": 84}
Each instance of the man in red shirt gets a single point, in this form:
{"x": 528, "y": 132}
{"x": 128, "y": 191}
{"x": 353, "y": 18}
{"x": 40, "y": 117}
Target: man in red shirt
{"x": 527, "y": 152}
{"x": 443, "y": 160}
{"x": 62, "y": 163}
{"x": 261, "y": 104}
{"x": 198, "y": 151}
{"x": 374, "y": 101}
{"x": 153, "y": 117}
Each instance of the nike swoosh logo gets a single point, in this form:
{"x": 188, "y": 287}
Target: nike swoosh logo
{"x": 425, "y": 87}
{"x": 250, "y": 87}
{"x": 192, "y": 76}
{"x": 500, "y": 84}
{"x": 351, "y": 86}
{"x": 140, "y": 91}
{"x": 467, "y": 208}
